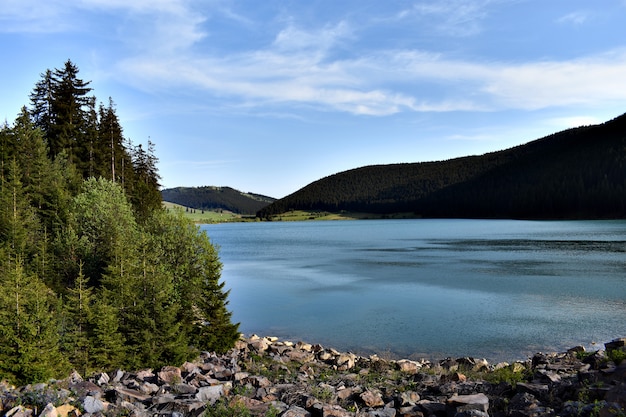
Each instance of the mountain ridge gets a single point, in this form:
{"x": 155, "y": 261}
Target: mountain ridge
{"x": 574, "y": 173}
{"x": 217, "y": 198}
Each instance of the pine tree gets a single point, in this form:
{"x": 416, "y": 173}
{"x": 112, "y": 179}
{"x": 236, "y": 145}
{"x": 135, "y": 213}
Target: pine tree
{"x": 78, "y": 319}
{"x": 69, "y": 104}
{"x": 28, "y": 326}
{"x": 112, "y": 158}
{"x": 107, "y": 342}
{"x": 41, "y": 101}
{"x": 194, "y": 263}
{"x": 146, "y": 194}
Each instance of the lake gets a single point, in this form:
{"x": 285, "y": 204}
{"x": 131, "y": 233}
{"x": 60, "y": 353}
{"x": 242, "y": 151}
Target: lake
{"x": 498, "y": 289}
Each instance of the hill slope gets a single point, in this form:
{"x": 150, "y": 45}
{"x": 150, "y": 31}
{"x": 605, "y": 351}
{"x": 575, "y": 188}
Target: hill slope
{"x": 214, "y": 198}
{"x": 576, "y": 173}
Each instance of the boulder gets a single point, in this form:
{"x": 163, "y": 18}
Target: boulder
{"x": 381, "y": 412}
{"x": 170, "y": 375}
{"x": 49, "y": 411}
{"x": 93, "y": 405}
{"x": 408, "y": 398}
{"x": 19, "y": 411}
{"x": 210, "y": 394}
{"x": 616, "y": 344}
{"x": 295, "y": 411}
{"x": 409, "y": 367}
{"x": 345, "y": 361}
{"x": 461, "y": 403}
{"x": 372, "y": 398}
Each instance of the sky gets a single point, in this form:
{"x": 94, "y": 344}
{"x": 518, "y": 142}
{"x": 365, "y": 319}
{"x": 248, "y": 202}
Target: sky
{"x": 267, "y": 96}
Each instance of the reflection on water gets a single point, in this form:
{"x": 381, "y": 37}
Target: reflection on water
{"x": 496, "y": 289}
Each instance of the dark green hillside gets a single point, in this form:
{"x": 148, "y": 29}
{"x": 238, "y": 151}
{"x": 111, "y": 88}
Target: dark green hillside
{"x": 214, "y": 198}
{"x": 577, "y": 173}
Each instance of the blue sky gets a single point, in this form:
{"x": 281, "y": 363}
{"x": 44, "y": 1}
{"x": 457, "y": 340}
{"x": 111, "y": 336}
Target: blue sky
{"x": 268, "y": 96}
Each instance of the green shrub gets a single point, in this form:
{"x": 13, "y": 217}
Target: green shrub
{"x": 616, "y": 355}
{"x": 224, "y": 409}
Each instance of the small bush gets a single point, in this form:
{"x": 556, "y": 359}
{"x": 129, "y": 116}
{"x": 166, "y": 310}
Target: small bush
{"x": 506, "y": 374}
{"x": 223, "y": 409}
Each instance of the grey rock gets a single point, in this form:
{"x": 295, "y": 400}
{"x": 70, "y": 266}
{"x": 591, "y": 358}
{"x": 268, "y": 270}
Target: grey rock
{"x": 92, "y": 405}
{"x": 210, "y": 394}
{"x": 295, "y": 411}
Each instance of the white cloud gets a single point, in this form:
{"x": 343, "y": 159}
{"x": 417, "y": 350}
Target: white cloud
{"x": 451, "y": 17}
{"x": 546, "y": 84}
{"x": 368, "y": 84}
{"x": 163, "y": 40}
{"x": 576, "y": 18}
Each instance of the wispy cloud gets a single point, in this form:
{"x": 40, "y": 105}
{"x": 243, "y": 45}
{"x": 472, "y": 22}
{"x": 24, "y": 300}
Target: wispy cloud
{"x": 576, "y": 18}
{"x": 450, "y": 17}
{"x": 166, "y": 44}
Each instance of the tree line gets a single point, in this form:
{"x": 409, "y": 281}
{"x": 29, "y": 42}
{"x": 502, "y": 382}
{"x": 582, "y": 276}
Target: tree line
{"x": 576, "y": 173}
{"x": 95, "y": 274}
{"x": 216, "y": 198}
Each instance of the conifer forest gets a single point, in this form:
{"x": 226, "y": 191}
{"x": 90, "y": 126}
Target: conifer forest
{"x": 95, "y": 274}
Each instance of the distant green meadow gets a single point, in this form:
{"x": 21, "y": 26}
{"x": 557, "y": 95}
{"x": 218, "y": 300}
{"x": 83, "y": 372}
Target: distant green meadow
{"x": 207, "y": 216}
{"x": 225, "y": 216}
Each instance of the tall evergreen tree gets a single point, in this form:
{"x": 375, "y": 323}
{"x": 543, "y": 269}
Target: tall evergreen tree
{"x": 112, "y": 154}
{"x": 70, "y": 102}
{"x": 41, "y": 99}
{"x": 29, "y": 342}
{"x": 146, "y": 194}
{"x": 77, "y": 323}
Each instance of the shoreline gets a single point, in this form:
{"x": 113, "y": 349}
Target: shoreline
{"x": 267, "y": 376}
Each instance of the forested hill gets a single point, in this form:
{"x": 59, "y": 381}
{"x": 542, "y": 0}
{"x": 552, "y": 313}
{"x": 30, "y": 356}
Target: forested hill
{"x": 211, "y": 198}
{"x": 576, "y": 173}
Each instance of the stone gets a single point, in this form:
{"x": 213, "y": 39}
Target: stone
{"x": 381, "y": 412}
{"x": 345, "y": 361}
{"x": 259, "y": 345}
{"x": 145, "y": 375}
{"x": 74, "y": 377}
{"x": 458, "y": 377}
{"x": 170, "y": 375}
{"x": 346, "y": 394}
{"x": 432, "y": 407}
{"x": 372, "y": 399}
{"x": 210, "y": 394}
{"x": 49, "y": 411}
{"x": 538, "y": 390}
{"x": 469, "y": 402}
{"x": 19, "y": 411}
{"x": 149, "y": 388}
{"x": 300, "y": 356}
{"x": 120, "y": 393}
{"x": 409, "y": 367}
{"x": 471, "y": 413}
{"x": 295, "y": 411}
{"x": 409, "y": 398}
{"x": 117, "y": 376}
{"x": 183, "y": 389}
{"x": 616, "y": 344}
{"x": 67, "y": 410}
{"x": 304, "y": 346}
{"x": 93, "y": 405}
{"x": 84, "y": 388}
{"x": 334, "y": 411}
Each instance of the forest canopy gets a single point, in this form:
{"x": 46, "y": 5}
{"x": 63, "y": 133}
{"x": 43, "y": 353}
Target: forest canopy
{"x": 95, "y": 273}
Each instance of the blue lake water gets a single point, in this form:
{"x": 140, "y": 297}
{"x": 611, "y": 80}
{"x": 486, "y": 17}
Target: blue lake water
{"x": 498, "y": 289}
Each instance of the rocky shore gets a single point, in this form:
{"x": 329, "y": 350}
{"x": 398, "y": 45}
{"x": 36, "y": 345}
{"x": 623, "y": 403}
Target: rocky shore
{"x": 270, "y": 377}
